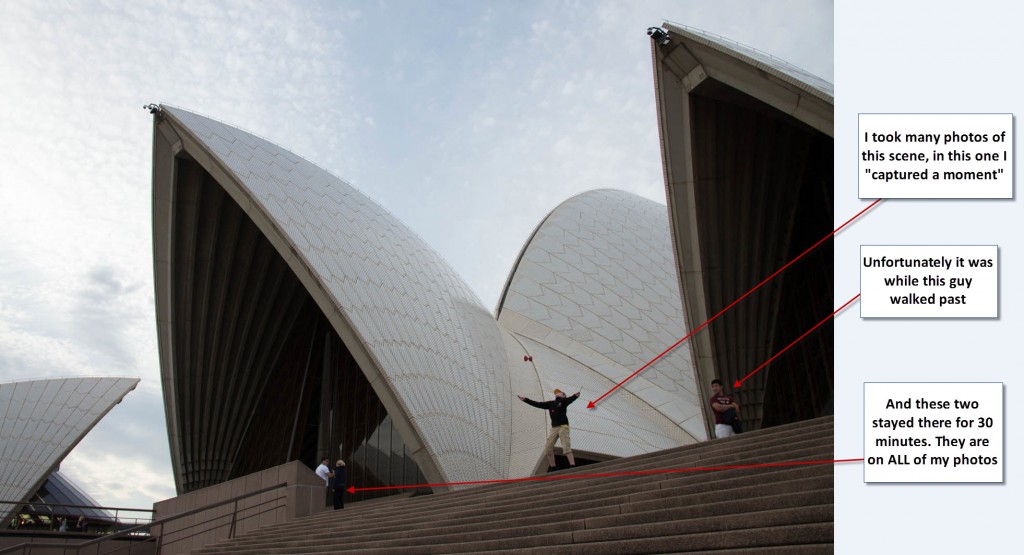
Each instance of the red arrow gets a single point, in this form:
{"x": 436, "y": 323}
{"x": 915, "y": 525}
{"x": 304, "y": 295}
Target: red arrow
{"x": 353, "y": 489}
{"x": 593, "y": 403}
{"x": 797, "y": 340}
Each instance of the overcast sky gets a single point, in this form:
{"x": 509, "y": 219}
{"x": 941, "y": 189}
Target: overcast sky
{"x": 469, "y": 121}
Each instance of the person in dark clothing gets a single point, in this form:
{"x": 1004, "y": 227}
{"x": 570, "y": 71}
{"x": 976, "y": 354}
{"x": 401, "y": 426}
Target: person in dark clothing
{"x": 559, "y": 425}
{"x": 726, "y": 411}
{"x": 338, "y": 483}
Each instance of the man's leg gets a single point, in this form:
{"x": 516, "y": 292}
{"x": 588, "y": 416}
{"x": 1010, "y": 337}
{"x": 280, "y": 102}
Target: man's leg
{"x": 563, "y": 436}
{"x": 549, "y": 446}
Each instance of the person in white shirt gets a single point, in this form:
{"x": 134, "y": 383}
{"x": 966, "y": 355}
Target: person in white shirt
{"x": 324, "y": 472}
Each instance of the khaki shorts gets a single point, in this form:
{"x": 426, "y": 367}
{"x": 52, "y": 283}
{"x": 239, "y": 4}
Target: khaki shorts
{"x": 559, "y": 433}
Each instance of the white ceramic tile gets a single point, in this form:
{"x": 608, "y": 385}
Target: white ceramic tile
{"x": 43, "y": 419}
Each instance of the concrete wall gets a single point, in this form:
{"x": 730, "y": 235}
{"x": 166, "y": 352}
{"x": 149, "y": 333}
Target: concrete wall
{"x": 304, "y": 494}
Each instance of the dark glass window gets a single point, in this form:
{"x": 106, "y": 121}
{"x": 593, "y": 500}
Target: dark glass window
{"x": 261, "y": 377}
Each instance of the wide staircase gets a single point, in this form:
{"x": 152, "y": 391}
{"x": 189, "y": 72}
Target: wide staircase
{"x": 749, "y": 506}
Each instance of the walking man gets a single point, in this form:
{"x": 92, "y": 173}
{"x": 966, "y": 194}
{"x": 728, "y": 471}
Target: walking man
{"x": 559, "y": 425}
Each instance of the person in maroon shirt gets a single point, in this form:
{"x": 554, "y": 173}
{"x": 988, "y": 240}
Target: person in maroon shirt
{"x": 722, "y": 404}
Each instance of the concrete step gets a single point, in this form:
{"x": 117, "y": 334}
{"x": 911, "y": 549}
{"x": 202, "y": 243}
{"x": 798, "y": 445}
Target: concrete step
{"x": 509, "y": 521}
{"x": 660, "y": 506}
{"x": 785, "y": 539}
{"x": 758, "y": 440}
{"x": 561, "y": 543}
{"x": 819, "y": 449}
{"x": 484, "y": 510}
{"x": 471, "y": 540}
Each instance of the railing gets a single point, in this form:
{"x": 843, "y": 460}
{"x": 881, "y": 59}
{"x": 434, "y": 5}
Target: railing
{"x": 103, "y": 517}
{"x": 142, "y": 533}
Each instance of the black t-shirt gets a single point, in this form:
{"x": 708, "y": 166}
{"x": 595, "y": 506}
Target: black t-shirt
{"x": 556, "y": 409}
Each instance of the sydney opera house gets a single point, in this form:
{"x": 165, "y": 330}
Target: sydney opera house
{"x": 298, "y": 319}
{"x": 41, "y": 421}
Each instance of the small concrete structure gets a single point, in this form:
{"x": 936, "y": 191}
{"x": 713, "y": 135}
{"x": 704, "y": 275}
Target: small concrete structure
{"x": 302, "y": 493}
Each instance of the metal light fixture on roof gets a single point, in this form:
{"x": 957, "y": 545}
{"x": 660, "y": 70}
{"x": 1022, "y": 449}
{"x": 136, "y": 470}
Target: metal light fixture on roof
{"x": 659, "y": 35}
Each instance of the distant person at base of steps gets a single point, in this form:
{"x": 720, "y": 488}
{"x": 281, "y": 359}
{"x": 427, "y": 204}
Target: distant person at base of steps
{"x": 338, "y": 483}
{"x": 325, "y": 474}
{"x": 727, "y": 412}
{"x": 559, "y": 425}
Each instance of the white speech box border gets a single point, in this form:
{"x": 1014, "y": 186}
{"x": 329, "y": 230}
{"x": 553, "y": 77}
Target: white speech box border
{"x": 874, "y": 296}
{"x": 1001, "y": 188}
{"x": 995, "y": 474}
